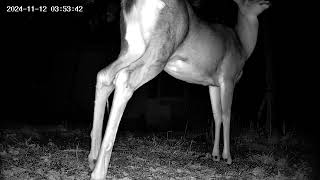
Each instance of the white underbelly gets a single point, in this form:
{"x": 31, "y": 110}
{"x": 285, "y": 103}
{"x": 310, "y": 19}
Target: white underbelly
{"x": 184, "y": 71}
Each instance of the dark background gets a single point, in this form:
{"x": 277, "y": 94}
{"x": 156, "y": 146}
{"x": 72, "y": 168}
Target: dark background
{"x": 50, "y": 61}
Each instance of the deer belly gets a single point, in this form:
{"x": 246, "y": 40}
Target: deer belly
{"x": 182, "y": 69}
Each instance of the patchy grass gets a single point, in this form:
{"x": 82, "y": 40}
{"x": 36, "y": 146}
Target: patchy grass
{"x": 58, "y": 154}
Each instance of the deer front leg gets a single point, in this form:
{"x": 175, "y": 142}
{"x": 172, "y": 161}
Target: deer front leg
{"x": 103, "y": 91}
{"x": 121, "y": 96}
{"x": 226, "y": 102}
{"x": 216, "y": 110}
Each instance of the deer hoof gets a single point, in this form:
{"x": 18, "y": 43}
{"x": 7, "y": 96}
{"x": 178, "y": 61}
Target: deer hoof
{"x": 92, "y": 164}
{"x": 215, "y": 157}
{"x": 227, "y": 159}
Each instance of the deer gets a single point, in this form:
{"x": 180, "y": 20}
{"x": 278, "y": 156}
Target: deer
{"x": 166, "y": 35}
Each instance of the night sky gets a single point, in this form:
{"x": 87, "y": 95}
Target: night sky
{"x": 50, "y": 61}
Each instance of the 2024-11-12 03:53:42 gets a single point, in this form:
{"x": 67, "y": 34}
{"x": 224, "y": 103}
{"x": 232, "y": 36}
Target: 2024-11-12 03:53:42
{"x": 44, "y": 9}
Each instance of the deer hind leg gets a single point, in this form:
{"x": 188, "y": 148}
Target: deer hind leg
{"x": 216, "y": 110}
{"x": 126, "y": 82}
{"x": 121, "y": 96}
{"x": 104, "y": 87}
{"x": 226, "y": 102}
{"x": 101, "y": 98}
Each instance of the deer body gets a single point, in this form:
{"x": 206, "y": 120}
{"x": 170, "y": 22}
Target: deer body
{"x": 206, "y": 54}
{"x": 166, "y": 35}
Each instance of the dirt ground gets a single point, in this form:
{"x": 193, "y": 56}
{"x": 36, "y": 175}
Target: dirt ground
{"x": 57, "y": 154}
